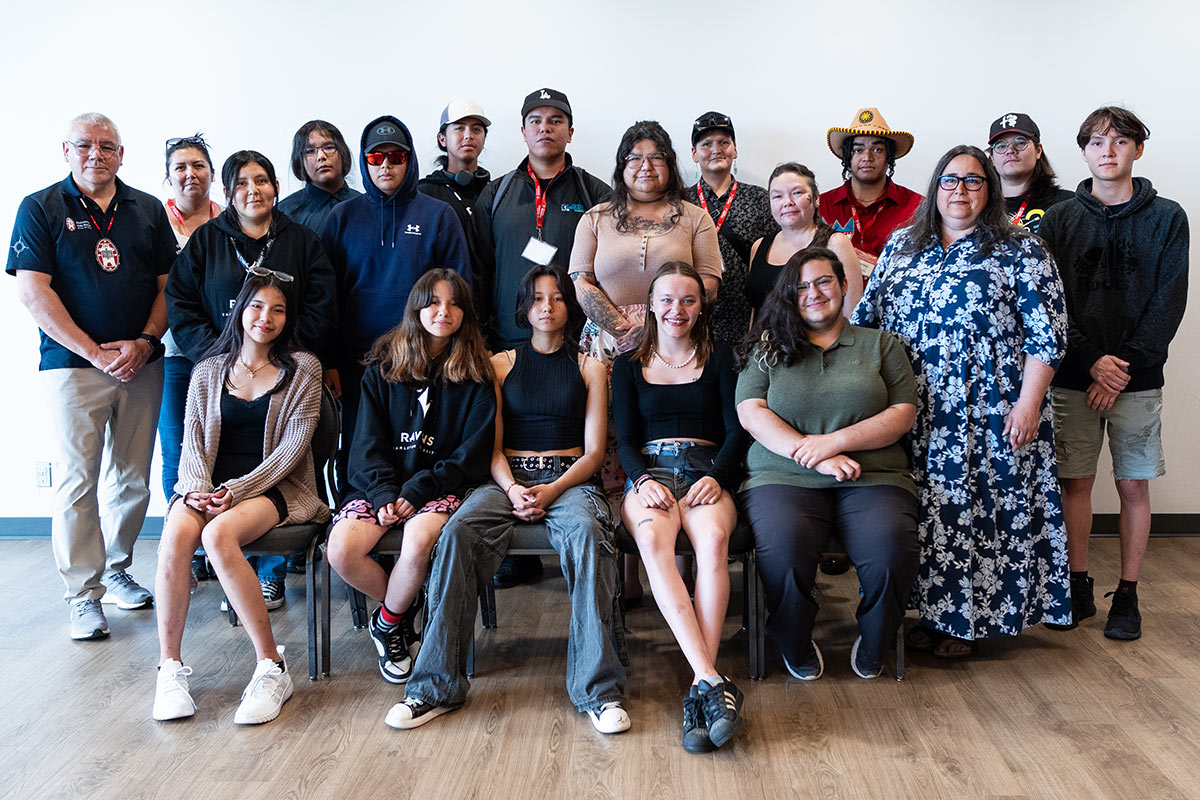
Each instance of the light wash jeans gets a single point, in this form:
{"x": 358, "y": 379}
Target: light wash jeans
{"x": 471, "y": 547}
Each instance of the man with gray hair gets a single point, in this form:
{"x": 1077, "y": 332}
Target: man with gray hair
{"x": 91, "y": 257}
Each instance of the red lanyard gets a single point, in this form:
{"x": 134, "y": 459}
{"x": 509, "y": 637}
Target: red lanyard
{"x": 539, "y": 198}
{"x": 858, "y": 229}
{"x": 212, "y": 212}
{"x": 95, "y": 224}
{"x": 728, "y": 203}
{"x": 1016, "y": 219}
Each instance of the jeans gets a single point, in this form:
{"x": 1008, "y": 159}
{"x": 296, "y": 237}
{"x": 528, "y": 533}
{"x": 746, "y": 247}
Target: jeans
{"x": 472, "y": 545}
{"x": 792, "y": 525}
{"x": 677, "y": 465}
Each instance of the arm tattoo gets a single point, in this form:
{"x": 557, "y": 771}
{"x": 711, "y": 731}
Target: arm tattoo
{"x": 643, "y": 522}
{"x": 596, "y": 305}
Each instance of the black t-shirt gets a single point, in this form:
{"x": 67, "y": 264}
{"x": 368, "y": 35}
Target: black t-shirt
{"x": 1031, "y": 217}
{"x": 108, "y": 278}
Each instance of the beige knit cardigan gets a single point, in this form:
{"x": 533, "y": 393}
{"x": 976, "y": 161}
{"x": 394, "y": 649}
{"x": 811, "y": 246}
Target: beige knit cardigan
{"x": 287, "y": 447}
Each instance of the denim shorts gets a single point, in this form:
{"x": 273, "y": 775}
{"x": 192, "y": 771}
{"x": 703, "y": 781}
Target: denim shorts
{"x": 1134, "y": 425}
{"x": 677, "y": 465}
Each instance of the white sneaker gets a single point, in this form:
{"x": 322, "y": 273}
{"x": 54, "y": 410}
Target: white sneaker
{"x": 266, "y": 693}
{"x": 413, "y": 713}
{"x": 610, "y": 718}
{"x": 171, "y": 697}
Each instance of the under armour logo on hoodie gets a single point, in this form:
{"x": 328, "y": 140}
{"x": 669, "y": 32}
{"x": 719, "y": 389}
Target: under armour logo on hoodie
{"x": 414, "y": 230}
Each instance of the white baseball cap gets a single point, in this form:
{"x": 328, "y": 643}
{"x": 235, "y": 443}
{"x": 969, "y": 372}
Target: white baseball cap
{"x": 461, "y": 109}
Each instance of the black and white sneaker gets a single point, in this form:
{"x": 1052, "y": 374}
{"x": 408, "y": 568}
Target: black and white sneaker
{"x": 811, "y": 668}
{"x": 413, "y": 713}
{"x": 695, "y": 728}
{"x": 395, "y": 663}
{"x": 272, "y": 593}
{"x": 1124, "y": 619}
{"x": 722, "y": 704}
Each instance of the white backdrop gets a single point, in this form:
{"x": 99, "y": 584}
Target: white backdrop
{"x": 248, "y": 73}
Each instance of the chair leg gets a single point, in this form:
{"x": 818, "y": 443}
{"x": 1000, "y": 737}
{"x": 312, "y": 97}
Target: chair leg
{"x": 233, "y": 620}
{"x": 471, "y": 654}
{"x": 900, "y": 651}
{"x": 747, "y": 595}
{"x": 326, "y": 599}
{"x": 757, "y": 617}
{"x": 358, "y": 607}
{"x": 310, "y": 607}
{"x": 487, "y": 605}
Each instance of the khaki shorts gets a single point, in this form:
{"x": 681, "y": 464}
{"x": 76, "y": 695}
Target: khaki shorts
{"x": 1134, "y": 426}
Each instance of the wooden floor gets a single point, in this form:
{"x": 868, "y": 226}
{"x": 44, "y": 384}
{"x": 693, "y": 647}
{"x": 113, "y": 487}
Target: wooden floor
{"x": 1055, "y": 715}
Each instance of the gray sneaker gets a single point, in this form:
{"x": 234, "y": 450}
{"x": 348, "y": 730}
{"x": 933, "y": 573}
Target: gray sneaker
{"x": 87, "y": 620}
{"x": 125, "y": 591}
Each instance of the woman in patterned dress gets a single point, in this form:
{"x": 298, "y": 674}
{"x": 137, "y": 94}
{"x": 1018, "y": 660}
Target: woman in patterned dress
{"x": 979, "y": 306}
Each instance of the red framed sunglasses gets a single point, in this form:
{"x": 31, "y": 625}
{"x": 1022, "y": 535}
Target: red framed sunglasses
{"x": 394, "y": 157}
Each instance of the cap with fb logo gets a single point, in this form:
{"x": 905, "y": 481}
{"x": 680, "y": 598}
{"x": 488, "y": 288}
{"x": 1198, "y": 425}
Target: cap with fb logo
{"x": 387, "y": 132}
{"x": 457, "y": 110}
{"x": 546, "y": 97}
{"x": 1014, "y": 122}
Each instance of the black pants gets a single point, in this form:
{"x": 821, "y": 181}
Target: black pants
{"x": 792, "y": 525}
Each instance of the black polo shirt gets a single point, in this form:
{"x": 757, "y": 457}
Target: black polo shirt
{"x": 107, "y": 278}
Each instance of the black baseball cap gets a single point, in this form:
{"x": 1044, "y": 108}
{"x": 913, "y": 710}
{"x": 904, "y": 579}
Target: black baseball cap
{"x": 711, "y": 121}
{"x": 546, "y": 97}
{"x": 387, "y": 132}
{"x": 1013, "y": 122}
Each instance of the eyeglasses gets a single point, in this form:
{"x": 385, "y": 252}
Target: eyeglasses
{"x": 1018, "y": 143}
{"x": 188, "y": 141}
{"x": 655, "y": 159}
{"x": 394, "y": 157}
{"x": 84, "y": 148}
{"x": 328, "y": 149}
{"x": 822, "y": 283}
{"x": 263, "y": 272}
{"x": 950, "y": 182}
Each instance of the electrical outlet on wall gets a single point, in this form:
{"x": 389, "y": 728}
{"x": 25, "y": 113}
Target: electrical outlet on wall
{"x": 42, "y": 478}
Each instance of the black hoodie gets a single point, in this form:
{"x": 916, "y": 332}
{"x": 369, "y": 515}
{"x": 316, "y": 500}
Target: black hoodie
{"x": 207, "y": 276}
{"x": 421, "y": 442}
{"x": 443, "y": 186}
{"x": 1124, "y": 270}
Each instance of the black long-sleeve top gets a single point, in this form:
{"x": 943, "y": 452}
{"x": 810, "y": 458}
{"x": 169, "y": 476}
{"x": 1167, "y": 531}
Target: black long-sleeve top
{"x": 705, "y": 409}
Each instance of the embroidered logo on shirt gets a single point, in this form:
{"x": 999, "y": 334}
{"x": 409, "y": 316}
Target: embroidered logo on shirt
{"x": 70, "y": 224}
{"x": 414, "y": 230}
{"x": 19, "y": 247}
{"x": 576, "y": 207}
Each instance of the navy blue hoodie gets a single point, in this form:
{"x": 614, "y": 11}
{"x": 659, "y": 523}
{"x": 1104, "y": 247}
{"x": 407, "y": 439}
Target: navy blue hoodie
{"x": 381, "y": 245}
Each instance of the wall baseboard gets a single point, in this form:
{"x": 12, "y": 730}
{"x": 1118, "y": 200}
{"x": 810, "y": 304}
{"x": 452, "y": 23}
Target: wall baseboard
{"x": 1103, "y": 525}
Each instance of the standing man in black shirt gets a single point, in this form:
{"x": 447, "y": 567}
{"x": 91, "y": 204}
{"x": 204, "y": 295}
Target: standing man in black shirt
{"x": 1026, "y": 177}
{"x": 91, "y": 257}
{"x": 321, "y": 159}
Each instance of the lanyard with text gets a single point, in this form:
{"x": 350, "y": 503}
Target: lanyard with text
{"x": 212, "y": 212}
{"x": 728, "y": 203}
{"x": 257, "y": 262}
{"x": 1017, "y": 217}
{"x": 539, "y": 198}
{"x": 107, "y": 255}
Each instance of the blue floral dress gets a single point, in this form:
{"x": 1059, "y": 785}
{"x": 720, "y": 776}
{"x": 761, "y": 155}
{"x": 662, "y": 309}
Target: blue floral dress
{"x": 993, "y": 557}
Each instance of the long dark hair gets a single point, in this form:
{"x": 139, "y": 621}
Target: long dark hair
{"x": 300, "y": 142}
{"x": 228, "y": 345}
{"x": 699, "y": 333}
{"x": 639, "y": 131}
{"x": 404, "y": 354}
{"x": 779, "y": 335}
{"x": 233, "y": 165}
{"x": 1043, "y": 185}
{"x": 575, "y": 316}
{"x": 993, "y": 220}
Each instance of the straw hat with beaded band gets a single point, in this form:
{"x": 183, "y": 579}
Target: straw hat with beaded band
{"x": 869, "y": 122}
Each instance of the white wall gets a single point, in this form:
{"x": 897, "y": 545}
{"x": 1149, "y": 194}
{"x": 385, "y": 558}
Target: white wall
{"x": 248, "y": 73}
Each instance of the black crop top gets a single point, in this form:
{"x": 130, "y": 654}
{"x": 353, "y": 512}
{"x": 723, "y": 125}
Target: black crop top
{"x": 704, "y": 409}
{"x": 544, "y": 401}
{"x": 763, "y": 273}
{"x": 243, "y": 433}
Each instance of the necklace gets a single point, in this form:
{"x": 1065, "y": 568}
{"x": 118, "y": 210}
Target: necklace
{"x": 669, "y": 365}
{"x": 253, "y": 370}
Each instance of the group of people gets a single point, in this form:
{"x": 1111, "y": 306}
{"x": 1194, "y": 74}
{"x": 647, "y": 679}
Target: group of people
{"x": 917, "y": 374}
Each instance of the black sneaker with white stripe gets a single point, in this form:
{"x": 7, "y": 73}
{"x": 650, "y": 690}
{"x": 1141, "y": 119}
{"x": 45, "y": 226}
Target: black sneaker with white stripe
{"x": 413, "y": 713}
{"x": 395, "y": 663}
{"x": 722, "y": 704}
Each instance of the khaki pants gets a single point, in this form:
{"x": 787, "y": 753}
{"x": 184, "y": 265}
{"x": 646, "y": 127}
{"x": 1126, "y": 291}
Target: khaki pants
{"x": 102, "y": 429}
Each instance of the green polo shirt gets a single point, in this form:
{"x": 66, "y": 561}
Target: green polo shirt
{"x": 860, "y": 375}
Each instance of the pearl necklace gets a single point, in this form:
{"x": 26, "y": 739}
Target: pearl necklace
{"x": 669, "y": 365}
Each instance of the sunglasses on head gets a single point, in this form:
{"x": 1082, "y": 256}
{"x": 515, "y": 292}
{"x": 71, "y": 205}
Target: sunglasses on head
{"x": 263, "y": 272}
{"x": 196, "y": 140}
{"x": 394, "y": 157}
